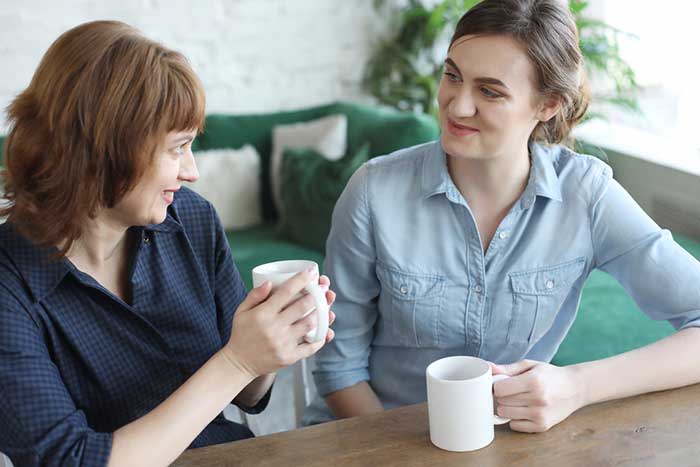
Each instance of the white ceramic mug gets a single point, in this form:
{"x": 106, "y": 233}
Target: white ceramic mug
{"x": 281, "y": 271}
{"x": 460, "y": 403}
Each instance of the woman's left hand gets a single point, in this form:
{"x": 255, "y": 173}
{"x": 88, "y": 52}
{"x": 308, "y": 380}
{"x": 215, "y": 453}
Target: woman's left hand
{"x": 537, "y": 396}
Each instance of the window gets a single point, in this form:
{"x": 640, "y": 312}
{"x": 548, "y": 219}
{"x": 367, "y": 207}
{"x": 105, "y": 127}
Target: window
{"x": 662, "y": 48}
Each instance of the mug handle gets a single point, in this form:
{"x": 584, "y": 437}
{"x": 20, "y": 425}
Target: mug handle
{"x": 498, "y": 420}
{"x": 321, "y": 310}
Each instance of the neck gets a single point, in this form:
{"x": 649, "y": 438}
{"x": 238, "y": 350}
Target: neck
{"x": 103, "y": 242}
{"x": 499, "y": 181}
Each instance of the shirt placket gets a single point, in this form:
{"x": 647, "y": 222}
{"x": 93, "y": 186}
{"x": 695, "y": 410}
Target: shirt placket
{"x": 476, "y": 278}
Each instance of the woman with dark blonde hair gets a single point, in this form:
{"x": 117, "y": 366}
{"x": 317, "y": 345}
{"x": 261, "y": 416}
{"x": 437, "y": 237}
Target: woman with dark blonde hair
{"x": 119, "y": 344}
{"x": 479, "y": 244}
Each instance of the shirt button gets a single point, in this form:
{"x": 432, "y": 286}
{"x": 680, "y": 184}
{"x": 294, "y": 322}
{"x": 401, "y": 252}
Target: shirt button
{"x": 404, "y": 289}
{"x": 477, "y": 289}
{"x": 503, "y": 235}
{"x": 549, "y": 284}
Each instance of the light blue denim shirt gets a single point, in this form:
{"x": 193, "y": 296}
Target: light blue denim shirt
{"x": 414, "y": 284}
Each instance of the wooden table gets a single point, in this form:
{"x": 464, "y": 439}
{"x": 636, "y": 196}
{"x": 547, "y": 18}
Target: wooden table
{"x": 659, "y": 429}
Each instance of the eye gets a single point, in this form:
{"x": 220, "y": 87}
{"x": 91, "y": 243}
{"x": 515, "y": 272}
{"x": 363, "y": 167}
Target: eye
{"x": 489, "y": 93}
{"x": 452, "y": 77}
{"x": 180, "y": 150}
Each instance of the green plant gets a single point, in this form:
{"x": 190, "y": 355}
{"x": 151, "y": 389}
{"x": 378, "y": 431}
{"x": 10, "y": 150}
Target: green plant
{"x": 405, "y": 70}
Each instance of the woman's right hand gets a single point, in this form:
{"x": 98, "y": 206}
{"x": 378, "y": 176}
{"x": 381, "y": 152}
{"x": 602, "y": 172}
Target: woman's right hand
{"x": 267, "y": 329}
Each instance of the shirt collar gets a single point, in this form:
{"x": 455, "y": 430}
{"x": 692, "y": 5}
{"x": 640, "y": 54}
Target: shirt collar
{"x": 436, "y": 178}
{"x": 169, "y": 225}
{"x": 41, "y": 273}
{"x": 543, "y": 180}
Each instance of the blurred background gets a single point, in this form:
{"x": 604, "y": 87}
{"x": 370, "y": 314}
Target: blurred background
{"x": 271, "y": 55}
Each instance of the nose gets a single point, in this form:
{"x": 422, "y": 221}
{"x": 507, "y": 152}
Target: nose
{"x": 188, "y": 168}
{"x": 463, "y": 104}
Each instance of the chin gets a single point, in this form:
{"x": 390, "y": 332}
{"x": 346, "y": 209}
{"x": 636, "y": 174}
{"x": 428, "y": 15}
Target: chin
{"x": 463, "y": 149}
{"x": 152, "y": 218}
{"x": 159, "y": 219}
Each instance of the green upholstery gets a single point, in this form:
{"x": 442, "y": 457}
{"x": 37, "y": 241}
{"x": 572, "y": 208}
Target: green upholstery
{"x": 263, "y": 244}
{"x": 2, "y": 150}
{"x": 310, "y": 186}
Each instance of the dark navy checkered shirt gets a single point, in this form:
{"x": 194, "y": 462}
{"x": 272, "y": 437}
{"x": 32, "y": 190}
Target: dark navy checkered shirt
{"x": 77, "y": 363}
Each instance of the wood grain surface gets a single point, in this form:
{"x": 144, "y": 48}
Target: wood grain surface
{"x": 659, "y": 429}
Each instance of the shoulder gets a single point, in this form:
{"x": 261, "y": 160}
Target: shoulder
{"x": 15, "y": 297}
{"x": 396, "y": 169}
{"x": 389, "y": 171}
{"x": 580, "y": 175}
{"x": 191, "y": 209}
{"x": 14, "y": 288}
{"x": 196, "y": 215}
{"x": 408, "y": 157}
{"x": 199, "y": 221}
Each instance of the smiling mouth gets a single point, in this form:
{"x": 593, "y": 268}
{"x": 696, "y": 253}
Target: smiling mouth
{"x": 459, "y": 129}
{"x": 168, "y": 195}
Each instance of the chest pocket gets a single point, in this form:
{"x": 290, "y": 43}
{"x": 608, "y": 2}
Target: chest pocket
{"x": 537, "y": 297}
{"x": 411, "y": 305}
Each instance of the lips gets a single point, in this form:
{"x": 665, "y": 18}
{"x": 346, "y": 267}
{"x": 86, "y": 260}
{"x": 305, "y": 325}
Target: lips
{"x": 169, "y": 195}
{"x": 458, "y": 129}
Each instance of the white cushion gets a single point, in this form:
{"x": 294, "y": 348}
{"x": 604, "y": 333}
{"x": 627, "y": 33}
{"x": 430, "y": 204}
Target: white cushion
{"x": 230, "y": 180}
{"x": 327, "y": 135}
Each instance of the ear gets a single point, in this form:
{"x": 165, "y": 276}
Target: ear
{"x": 548, "y": 108}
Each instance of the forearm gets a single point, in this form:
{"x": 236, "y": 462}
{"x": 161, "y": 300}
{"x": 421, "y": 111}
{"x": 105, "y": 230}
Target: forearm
{"x": 256, "y": 390}
{"x": 160, "y": 436}
{"x": 668, "y": 363}
{"x": 355, "y": 400}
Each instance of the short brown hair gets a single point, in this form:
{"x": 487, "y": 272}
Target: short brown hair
{"x": 547, "y": 31}
{"x": 86, "y": 129}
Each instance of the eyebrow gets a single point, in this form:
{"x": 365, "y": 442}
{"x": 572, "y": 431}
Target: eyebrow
{"x": 483, "y": 80}
{"x": 182, "y": 139}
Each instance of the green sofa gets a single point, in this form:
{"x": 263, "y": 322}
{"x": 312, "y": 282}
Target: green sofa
{"x": 608, "y": 322}
{"x": 384, "y": 129}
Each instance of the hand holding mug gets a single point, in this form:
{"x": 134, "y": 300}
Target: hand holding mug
{"x": 279, "y": 272}
{"x": 270, "y": 323}
{"x": 538, "y": 395}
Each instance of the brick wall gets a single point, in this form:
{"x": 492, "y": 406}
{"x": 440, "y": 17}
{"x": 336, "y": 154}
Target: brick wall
{"x": 252, "y": 55}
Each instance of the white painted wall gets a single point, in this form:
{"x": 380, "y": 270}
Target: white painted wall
{"x": 252, "y": 55}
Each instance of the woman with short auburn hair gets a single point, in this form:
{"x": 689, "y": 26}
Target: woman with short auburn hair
{"x": 117, "y": 98}
{"x": 126, "y": 328}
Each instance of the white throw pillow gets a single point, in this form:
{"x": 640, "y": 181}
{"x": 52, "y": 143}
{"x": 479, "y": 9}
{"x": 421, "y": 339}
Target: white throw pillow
{"x": 230, "y": 180}
{"x": 327, "y": 135}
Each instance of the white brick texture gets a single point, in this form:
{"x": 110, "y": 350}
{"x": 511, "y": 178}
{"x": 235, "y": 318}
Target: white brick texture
{"x": 252, "y": 55}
